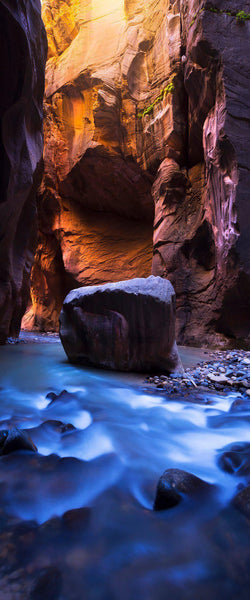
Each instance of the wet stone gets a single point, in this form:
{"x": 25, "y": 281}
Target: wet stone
{"x": 15, "y": 439}
{"x": 235, "y": 459}
{"x": 56, "y": 426}
{"x": 241, "y": 404}
{"x": 76, "y": 519}
{"x": 47, "y": 585}
{"x": 222, "y": 372}
{"x": 175, "y": 484}
{"x": 64, "y": 396}
{"x": 242, "y": 501}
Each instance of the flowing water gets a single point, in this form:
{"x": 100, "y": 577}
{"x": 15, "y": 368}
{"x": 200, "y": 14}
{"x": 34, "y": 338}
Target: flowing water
{"x": 121, "y": 439}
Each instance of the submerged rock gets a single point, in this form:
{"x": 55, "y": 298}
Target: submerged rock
{"x": 15, "y": 439}
{"x": 242, "y": 501}
{"x": 125, "y": 326}
{"x": 47, "y": 585}
{"x": 174, "y": 484}
{"x": 236, "y": 459}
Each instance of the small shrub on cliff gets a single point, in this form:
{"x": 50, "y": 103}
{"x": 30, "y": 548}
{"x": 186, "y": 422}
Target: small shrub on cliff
{"x": 242, "y": 16}
{"x": 169, "y": 89}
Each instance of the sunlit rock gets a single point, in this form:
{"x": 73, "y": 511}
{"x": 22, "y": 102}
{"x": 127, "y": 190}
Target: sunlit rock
{"x": 146, "y": 140}
{"x": 126, "y": 326}
{"x": 110, "y": 111}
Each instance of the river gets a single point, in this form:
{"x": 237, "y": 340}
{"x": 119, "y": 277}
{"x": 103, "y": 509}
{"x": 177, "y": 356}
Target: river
{"x": 121, "y": 438}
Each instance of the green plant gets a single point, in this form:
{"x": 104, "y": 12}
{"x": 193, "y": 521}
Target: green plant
{"x": 242, "y": 16}
{"x": 168, "y": 89}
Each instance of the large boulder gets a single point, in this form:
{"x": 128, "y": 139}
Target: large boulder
{"x": 126, "y": 326}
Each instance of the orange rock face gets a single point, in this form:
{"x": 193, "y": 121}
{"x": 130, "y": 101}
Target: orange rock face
{"x": 107, "y": 64}
{"x": 140, "y": 150}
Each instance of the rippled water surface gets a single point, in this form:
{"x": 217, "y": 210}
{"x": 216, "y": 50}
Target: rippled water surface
{"x": 122, "y": 437}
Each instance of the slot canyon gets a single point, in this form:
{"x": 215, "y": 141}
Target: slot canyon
{"x": 146, "y": 161}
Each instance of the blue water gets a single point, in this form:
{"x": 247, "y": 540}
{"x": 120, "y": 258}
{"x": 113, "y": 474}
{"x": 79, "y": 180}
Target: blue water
{"x": 123, "y": 438}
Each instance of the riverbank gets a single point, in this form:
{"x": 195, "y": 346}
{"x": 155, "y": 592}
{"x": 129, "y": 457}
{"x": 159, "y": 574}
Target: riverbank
{"x": 204, "y": 370}
{"x": 220, "y": 371}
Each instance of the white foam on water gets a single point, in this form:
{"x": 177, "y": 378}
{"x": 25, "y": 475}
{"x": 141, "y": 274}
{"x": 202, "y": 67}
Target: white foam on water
{"x": 173, "y": 407}
{"x": 41, "y": 402}
{"x": 81, "y": 420}
{"x": 135, "y": 399}
{"x": 144, "y": 427}
{"x": 91, "y": 443}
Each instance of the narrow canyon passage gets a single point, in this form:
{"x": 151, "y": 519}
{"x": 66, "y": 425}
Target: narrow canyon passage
{"x": 124, "y": 161}
{"x": 146, "y": 159}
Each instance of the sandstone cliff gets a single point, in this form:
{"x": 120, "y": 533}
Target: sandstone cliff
{"x": 22, "y": 65}
{"x": 201, "y": 239}
{"x": 146, "y": 119}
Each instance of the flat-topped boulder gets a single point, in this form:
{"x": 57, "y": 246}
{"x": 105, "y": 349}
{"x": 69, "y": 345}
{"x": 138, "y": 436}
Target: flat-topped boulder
{"x": 124, "y": 326}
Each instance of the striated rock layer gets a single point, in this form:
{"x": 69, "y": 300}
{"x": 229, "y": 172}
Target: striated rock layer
{"x": 107, "y": 63}
{"x": 124, "y": 326}
{"x": 23, "y": 55}
{"x": 202, "y": 216}
{"x": 147, "y": 117}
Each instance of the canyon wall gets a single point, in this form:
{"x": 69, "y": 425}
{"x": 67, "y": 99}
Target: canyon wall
{"x": 22, "y": 65}
{"x": 107, "y": 63}
{"x": 146, "y": 121}
{"x": 202, "y": 218}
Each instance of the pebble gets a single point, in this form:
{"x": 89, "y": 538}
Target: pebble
{"x": 246, "y": 361}
{"x": 217, "y": 378}
{"x": 222, "y": 371}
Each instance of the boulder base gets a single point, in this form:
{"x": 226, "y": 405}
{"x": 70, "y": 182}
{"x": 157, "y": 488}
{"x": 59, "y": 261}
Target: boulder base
{"x": 124, "y": 326}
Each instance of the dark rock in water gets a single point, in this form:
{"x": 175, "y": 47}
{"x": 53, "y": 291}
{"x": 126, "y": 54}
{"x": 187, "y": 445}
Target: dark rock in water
{"x": 47, "y": 485}
{"x": 59, "y": 426}
{"x": 76, "y": 519}
{"x": 15, "y": 439}
{"x": 51, "y": 426}
{"x": 126, "y": 326}
{"x": 235, "y": 459}
{"x": 241, "y": 404}
{"x": 48, "y": 585}
{"x": 62, "y": 397}
{"x": 174, "y": 484}
{"x": 242, "y": 501}
{"x": 51, "y": 396}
